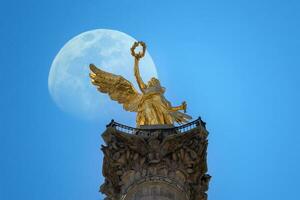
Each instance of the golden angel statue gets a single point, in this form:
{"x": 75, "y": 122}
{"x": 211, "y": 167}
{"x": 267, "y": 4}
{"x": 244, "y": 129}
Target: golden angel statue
{"x": 151, "y": 106}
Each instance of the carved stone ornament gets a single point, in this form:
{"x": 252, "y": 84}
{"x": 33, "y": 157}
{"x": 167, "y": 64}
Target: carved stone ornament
{"x": 159, "y": 162}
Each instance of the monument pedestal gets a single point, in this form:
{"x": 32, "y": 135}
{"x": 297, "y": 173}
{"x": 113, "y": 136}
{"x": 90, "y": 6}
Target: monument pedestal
{"x": 155, "y": 162}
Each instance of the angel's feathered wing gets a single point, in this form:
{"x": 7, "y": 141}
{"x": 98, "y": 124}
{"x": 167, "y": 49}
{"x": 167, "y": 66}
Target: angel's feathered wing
{"x": 118, "y": 88}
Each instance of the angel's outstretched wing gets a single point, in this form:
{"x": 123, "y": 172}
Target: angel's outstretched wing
{"x": 117, "y": 87}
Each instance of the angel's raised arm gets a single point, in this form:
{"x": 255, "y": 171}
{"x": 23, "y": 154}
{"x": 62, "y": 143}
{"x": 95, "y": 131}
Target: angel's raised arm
{"x": 137, "y": 57}
{"x": 137, "y": 75}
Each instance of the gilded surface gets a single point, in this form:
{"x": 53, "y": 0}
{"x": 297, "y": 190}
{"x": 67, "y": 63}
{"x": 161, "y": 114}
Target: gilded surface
{"x": 151, "y": 105}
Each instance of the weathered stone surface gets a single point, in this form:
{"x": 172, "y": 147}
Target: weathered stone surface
{"x": 155, "y": 190}
{"x": 161, "y": 163}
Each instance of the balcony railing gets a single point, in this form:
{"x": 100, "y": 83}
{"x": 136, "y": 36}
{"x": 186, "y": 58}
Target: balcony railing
{"x": 138, "y": 131}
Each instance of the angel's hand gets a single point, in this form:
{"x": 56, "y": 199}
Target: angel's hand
{"x": 184, "y": 106}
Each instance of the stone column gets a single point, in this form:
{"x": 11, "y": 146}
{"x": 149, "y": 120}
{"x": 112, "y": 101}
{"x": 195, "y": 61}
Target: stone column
{"x": 155, "y": 162}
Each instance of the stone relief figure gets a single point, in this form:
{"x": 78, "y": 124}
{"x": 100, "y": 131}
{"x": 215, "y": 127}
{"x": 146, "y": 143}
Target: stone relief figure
{"x": 151, "y": 105}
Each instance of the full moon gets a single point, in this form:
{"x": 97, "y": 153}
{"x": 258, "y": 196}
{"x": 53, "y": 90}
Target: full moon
{"x": 69, "y": 83}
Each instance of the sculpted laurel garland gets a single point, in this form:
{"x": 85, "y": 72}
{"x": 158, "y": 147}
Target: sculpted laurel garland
{"x": 151, "y": 106}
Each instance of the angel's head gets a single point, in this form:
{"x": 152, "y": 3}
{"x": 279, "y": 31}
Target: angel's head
{"x": 155, "y": 83}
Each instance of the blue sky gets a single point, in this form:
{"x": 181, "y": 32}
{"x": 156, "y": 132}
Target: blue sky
{"x": 236, "y": 63}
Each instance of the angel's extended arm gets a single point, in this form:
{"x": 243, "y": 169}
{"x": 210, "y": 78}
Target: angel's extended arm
{"x": 176, "y": 108}
{"x": 181, "y": 107}
{"x": 137, "y": 75}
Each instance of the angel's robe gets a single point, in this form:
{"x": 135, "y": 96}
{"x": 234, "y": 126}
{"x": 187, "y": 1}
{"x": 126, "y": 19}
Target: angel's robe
{"x": 154, "y": 109}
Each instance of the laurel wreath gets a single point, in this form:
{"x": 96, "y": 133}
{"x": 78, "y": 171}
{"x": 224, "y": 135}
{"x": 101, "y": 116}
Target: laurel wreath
{"x": 139, "y": 54}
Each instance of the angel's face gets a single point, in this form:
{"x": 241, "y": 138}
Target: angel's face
{"x": 154, "y": 82}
